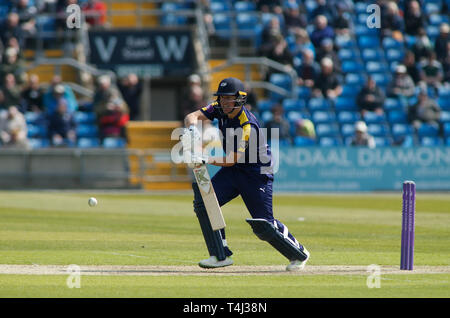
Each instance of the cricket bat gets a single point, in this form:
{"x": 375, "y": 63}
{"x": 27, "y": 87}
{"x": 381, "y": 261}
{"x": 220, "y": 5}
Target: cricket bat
{"x": 209, "y": 197}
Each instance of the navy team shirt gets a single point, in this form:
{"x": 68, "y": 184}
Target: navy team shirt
{"x": 245, "y": 136}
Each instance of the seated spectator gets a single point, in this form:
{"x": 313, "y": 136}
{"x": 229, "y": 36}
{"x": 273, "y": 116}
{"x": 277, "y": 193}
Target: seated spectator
{"x": 446, "y": 65}
{"x": 113, "y": 120}
{"x": 411, "y": 66}
{"x": 422, "y": 46}
{"x": 431, "y": 71}
{"x": 27, "y": 12}
{"x": 267, "y": 5}
{"x": 321, "y": 31}
{"x": 302, "y": 42}
{"x": 327, "y": 50}
{"x": 278, "y": 122}
{"x": 327, "y": 83}
{"x": 362, "y": 137}
{"x": 402, "y": 86}
{"x": 391, "y": 20}
{"x": 13, "y": 128}
{"x": 293, "y": 17}
{"x": 269, "y": 36}
{"x": 11, "y": 92}
{"x": 12, "y": 65}
{"x": 308, "y": 71}
{"x": 95, "y": 12}
{"x": 305, "y": 128}
{"x": 131, "y": 89}
{"x": 325, "y": 9}
{"x": 281, "y": 54}
{"x": 426, "y": 110}
{"x": 104, "y": 94}
{"x": 64, "y": 91}
{"x": 62, "y": 126}
{"x": 11, "y": 28}
{"x": 414, "y": 18}
{"x": 370, "y": 98}
{"x": 341, "y": 24}
{"x": 440, "y": 45}
{"x": 194, "y": 101}
{"x": 33, "y": 95}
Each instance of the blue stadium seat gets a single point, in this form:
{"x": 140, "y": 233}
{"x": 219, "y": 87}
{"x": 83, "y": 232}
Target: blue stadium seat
{"x": 46, "y": 26}
{"x": 391, "y": 104}
{"x": 265, "y": 104}
{"x": 447, "y": 130}
{"x": 249, "y": 27}
{"x": 347, "y": 130}
{"x": 444, "y": 91}
{"x": 318, "y": 104}
{"x": 436, "y": 19}
{"x": 34, "y": 118}
{"x": 445, "y": 117}
{"x": 391, "y": 43}
{"x": 348, "y": 117}
{"x": 222, "y": 25}
{"x": 432, "y": 7}
{"x": 293, "y": 116}
{"x": 330, "y": 141}
{"x": 300, "y": 141}
{"x": 244, "y": 6}
{"x": 349, "y": 91}
{"x": 293, "y": 105}
{"x": 327, "y": 130}
{"x": 112, "y": 142}
{"x": 87, "y": 131}
{"x": 374, "y": 118}
{"x": 343, "y": 103}
{"x": 376, "y": 67}
{"x": 431, "y": 141}
{"x": 344, "y": 42}
{"x": 444, "y": 103}
{"x": 303, "y": 92}
{"x": 427, "y": 130}
{"x": 36, "y": 143}
{"x": 355, "y": 79}
{"x": 321, "y": 117}
{"x": 347, "y": 54}
{"x": 370, "y": 54}
{"x": 401, "y": 130}
{"x": 219, "y": 6}
{"x": 382, "y": 79}
{"x": 281, "y": 80}
{"x": 85, "y": 117}
{"x": 397, "y": 117}
{"x": 396, "y": 55}
{"x": 378, "y": 130}
{"x": 383, "y": 141}
{"x": 368, "y": 41}
{"x": 85, "y": 142}
{"x": 37, "y": 131}
{"x": 352, "y": 66}
{"x": 447, "y": 141}
{"x": 266, "y": 116}
{"x": 432, "y": 32}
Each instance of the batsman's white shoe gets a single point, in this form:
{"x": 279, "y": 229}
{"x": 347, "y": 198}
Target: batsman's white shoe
{"x": 213, "y": 262}
{"x": 297, "y": 265}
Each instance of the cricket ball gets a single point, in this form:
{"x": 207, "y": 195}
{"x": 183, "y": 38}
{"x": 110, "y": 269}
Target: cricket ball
{"x": 92, "y": 202}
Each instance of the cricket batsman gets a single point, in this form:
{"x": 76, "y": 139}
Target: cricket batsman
{"x": 245, "y": 170}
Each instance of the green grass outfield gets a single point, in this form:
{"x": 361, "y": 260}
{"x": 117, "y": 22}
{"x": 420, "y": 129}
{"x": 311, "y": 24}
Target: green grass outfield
{"x": 160, "y": 236}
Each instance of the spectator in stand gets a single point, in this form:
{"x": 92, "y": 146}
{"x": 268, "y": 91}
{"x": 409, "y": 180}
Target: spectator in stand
{"x": 12, "y": 65}
{"x": 56, "y": 91}
{"x": 267, "y": 5}
{"x": 131, "y": 89}
{"x": 62, "y": 126}
{"x": 321, "y": 31}
{"x": 113, "y": 119}
{"x": 426, "y": 110}
{"x": 104, "y": 94}
{"x": 280, "y": 53}
{"x": 11, "y": 92}
{"x": 305, "y": 128}
{"x": 391, "y": 21}
{"x": 13, "y": 128}
{"x": 95, "y": 12}
{"x": 402, "y": 86}
{"x": 411, "y": 66}
{"x": 324, "y": 8}
{"x": 279, "y": 122}
{"x": 414, "y": 18}
{"x": 370, "y": 98}
{"x": 422, "y": 46}
{"x": 194, "y": 101}
{"x": 440, "y": 45}
{"x": 431, "y": 71}
{"x": 362, "y": 137}
{"x": 327, "y": 50}
{"x": 446, "y": 65}
{"x": 341, "y": 24}
{"x": 27, "y": 12}
{"x": 327, "y": 84}
{"x": 308, "y": 71}
{"x": 33, "y": 95}
{"x": 11, "y": 28}
{"x": 294, "y": 18}
{"x": 302, "y": 42}
{"x": 269, "y": 35}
